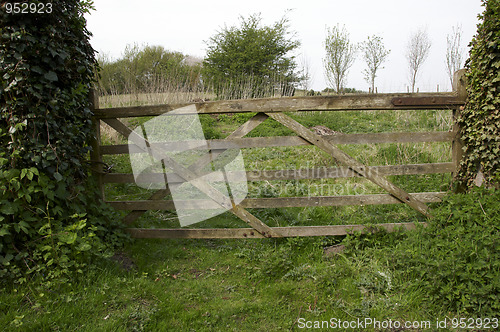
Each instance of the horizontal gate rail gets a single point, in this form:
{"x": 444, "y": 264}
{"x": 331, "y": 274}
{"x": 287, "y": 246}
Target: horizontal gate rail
{"x": 291, "y": 174}
{"x": 244, "y": 233}
{"x": 278, "y": 202}
{"x": 261, "y": 142}
{"x": 358, "y": 102}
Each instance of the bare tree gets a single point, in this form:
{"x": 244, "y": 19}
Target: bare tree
{"x": 306, "y": 76}
{"x": 417, "y": 51}
{"x": 340, "y": 55}
{"x": 454, "y": 51}
{"x": 374, "y": 53}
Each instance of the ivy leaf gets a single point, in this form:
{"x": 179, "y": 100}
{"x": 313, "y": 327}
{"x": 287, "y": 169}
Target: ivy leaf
{"x": 4, "y": 230}
{"x": 58, "y": 176}
{"x": 51, "y": 76}
{"x": 24, "y": 226}
{"x": 8, "y": 209}
{"x": 37, "y": 69}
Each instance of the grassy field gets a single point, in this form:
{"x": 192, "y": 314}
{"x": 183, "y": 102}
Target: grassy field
{"x": 260, "y": 285}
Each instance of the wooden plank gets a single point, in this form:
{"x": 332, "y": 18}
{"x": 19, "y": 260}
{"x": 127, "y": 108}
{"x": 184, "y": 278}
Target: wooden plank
{"x": 399, "y": 137}
{"x": 290, "y": 104}
{"x": 95, "y": 144}
{"x": 293, "y": 174}
{"x": 460, "y": 85}
{"x": 347, "y": 160}
{"x": 374, "y": 199}
{"x": 249, "y": 142}
{"x": 343, "y": 172}
{"x": 253, "y": 221}
{"x": 417, "y": 101}
{"x": 248, "y": 126}
{"x": 295, "y": 231}
{"x": 457, "y": 145}
{"x": 278, "y": 202}
{"x": 263, "y": 142}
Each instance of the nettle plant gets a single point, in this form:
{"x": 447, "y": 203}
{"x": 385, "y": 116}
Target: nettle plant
{"x": 480, "y": 119}
{"x": 51, "y": 221}
{"x": 455, "y": 261}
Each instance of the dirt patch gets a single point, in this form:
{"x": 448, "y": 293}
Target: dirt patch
{"x": 322, "y": 130}
{"x": 124, "y": 261}
{"x": 333, "y": 250}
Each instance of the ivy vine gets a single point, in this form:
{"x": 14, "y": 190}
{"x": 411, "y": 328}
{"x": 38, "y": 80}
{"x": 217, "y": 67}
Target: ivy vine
{"x": 480, "y": 119}
{"x": 51, "y": 222}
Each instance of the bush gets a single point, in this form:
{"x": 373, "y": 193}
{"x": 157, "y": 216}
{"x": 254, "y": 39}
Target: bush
{"x": 51, "y": 220}
{"x": 455, "y": 261}
{"x": 251, "y": 61}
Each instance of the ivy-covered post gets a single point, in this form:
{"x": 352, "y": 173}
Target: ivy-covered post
{"x": 460, "y": 88}
{"x": 480, "y": 118}
{"x": 51, "y": 224}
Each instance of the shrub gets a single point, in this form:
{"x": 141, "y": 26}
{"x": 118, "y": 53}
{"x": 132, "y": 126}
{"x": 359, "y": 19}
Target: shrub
{"x": 51, "y": 221}
{"x": 455, "y": 261}
{"x": 252, "y": 60}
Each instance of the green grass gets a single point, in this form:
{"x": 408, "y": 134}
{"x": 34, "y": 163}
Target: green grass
{"x": 250, "y": 285}
{"x": 215, "y": 285}
{"x": 258, "y": 284}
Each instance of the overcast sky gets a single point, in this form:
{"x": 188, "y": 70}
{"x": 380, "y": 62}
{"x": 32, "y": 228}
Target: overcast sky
{"x": 185, "y": 25}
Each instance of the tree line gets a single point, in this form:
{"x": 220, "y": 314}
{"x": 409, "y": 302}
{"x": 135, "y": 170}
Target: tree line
{"x": 148, "y": 69}
{"x": 254, "y": 60}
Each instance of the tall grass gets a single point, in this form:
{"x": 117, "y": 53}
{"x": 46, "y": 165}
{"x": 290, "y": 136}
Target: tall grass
{"x": 175, "y": 90}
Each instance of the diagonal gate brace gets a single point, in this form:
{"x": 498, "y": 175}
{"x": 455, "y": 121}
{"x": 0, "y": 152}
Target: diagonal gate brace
{"x": 352, "y": 163}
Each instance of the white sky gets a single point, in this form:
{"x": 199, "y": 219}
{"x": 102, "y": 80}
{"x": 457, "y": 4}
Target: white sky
{"x": 185, "y": 25}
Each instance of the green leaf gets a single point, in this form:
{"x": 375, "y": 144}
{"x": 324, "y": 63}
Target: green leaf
{"x": 58, "y": 176}
{"x": 24, "y": 226}
{"x": 6, "y": 259}
{"x": 4, "y": 230}
{"x": 68, "y": 237}
{"x": 37, "y": 69}
{"x": 51, "y": 76}
{"x": 84, "y": 246}
{"x": 34, "y": 170}
{"x": 8, "y": 208}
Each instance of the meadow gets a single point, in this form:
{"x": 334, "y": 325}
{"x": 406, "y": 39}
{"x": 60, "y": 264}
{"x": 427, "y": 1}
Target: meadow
{"x": 415, "y": 279}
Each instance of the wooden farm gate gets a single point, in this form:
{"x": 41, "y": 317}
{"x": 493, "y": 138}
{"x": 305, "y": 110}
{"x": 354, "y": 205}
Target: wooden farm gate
{"x": 274, "y": 108}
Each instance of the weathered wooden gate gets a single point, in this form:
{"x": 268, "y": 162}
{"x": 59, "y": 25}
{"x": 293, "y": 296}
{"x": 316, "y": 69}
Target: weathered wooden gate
{"x": 275, "y": 108}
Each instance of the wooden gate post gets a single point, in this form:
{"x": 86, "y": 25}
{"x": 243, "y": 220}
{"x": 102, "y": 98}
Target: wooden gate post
{"x": 460, "y": 88}
{"x": 95, "y": 144}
